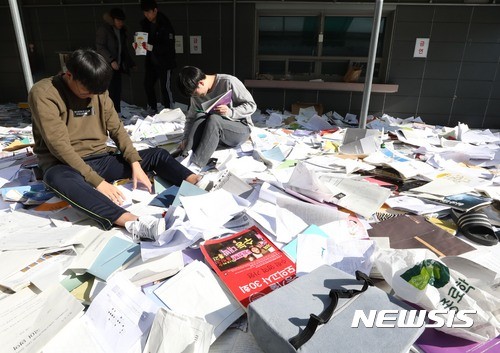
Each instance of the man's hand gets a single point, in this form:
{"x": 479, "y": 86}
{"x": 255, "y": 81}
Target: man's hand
{"x": 111, "y": 192}
{"x": 223, "y": 110}
{"x": 138, "y": 175}
{"x": 115, "y": 66}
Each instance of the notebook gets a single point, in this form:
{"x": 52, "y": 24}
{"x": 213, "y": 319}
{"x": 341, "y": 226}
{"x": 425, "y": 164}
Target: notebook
{"x": 115, "y": 254}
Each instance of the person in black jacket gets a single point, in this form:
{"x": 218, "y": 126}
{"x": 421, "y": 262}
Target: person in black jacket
{"x": 111, "y": 43}
{"x": 160, "y": 58}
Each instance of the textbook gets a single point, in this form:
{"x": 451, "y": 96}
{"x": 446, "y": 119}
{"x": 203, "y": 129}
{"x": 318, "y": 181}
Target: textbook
{"x": 115, "y": 254}
{"x": 249, "y": 264}
{"x": 463, "y": 202}
{"x": 224, "y": 99}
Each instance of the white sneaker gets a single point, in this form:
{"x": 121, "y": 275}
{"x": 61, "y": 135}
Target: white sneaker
{"x": 146, "y": 227}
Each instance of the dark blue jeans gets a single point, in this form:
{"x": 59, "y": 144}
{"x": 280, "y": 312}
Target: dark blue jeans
{"x": 69, "y": 184}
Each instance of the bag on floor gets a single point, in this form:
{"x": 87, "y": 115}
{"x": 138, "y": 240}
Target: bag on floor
{"x": 315, "y": 312}
{"x": 419, "y": 277}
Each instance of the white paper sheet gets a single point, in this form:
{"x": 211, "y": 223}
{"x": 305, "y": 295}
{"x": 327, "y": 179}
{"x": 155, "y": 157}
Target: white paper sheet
{"x": 358, "y": 196}
{"x": 14, "y": 237}
{"x": 197, "y": 292}
{"x": 16, "y": 260}
{"x": 177, "y": 333}
{"x": 29, "y": 320}
{"x": 76, "y": 337}
{"x": 42, "y": 272}
{"x": 214, "y": 208}
{"x": 311, "y": 252}
{"x": 121, "y": 314}
{"x": 92, "y": 243}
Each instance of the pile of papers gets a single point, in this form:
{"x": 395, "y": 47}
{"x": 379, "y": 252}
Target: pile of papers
{"x": 320, "y": 189}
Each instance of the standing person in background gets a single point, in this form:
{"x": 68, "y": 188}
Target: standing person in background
{"x": 111, "y": 43}
{"x": 227, "y": 125}
{"x": 160, "y": 58}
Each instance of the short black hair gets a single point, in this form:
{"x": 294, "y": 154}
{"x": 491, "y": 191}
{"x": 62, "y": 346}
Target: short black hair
{"x": 117, "y": 13}
{"x": 147, "y": 5}
{"x": 90, "y": 69}
{"x": 188, "y": 80}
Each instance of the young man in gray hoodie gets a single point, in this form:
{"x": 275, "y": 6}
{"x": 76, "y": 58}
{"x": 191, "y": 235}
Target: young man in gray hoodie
{"x": 227, "y": 125}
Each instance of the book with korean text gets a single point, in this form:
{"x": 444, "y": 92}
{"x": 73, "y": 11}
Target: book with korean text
{"x": 249, "y": 264}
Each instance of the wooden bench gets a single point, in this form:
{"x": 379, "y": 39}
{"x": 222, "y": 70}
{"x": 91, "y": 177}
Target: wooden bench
{"x": 321, "y": 86}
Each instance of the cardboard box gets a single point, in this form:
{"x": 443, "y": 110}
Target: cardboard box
{"x": 297, "y": 105}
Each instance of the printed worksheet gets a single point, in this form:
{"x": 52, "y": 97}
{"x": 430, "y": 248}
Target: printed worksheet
{"x": 121, "y": 314}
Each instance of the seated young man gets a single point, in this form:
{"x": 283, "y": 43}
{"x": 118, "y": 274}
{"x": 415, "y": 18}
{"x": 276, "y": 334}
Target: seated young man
{"x": 72, "y": 117}
{"x": 227, "y": 125}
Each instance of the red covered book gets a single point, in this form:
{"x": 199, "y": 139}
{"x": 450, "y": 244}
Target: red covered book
{"x": 249, "y": 264}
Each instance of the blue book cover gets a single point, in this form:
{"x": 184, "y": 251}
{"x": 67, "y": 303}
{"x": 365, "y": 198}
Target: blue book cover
{"x": 160, "y": 184}
{"x": 166, "y": 197}
{"x": 113, "y": 256}
{"x": 465, "y": 202}
{"x": 187, "y": 189}
{"x": 31, "y": 194}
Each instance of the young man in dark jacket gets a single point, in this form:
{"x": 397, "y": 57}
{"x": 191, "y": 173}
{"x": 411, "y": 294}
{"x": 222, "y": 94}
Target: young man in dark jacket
{"x": 160, "y": 59}
{"x": 112, "y": 44}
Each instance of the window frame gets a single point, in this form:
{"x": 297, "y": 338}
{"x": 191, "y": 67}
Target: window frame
{"x": 319, "y": 59}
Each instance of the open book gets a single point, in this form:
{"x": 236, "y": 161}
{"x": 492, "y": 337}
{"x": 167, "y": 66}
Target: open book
{"x": 224, "y": 99}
